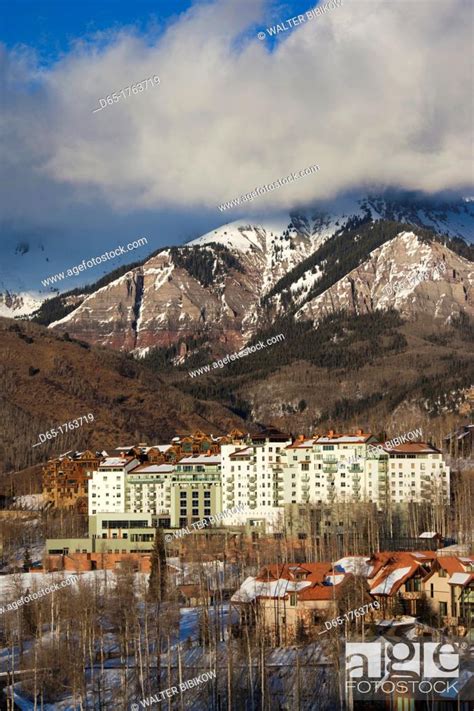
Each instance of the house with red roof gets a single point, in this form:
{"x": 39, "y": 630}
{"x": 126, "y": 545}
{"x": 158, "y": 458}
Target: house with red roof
{"x": 449, "y": 587}
{"x": 292, "y": 597}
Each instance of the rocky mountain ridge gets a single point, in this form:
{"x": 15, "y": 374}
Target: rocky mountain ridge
{"x": 230, "y": 283}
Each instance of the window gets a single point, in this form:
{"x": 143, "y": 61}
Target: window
{"x": 293, "y": 599}
{"x": 195, "y": 512}
{"x": 431, "y": 590}
{"x": 442, "y": 573}
{"x": 443, "y": 609}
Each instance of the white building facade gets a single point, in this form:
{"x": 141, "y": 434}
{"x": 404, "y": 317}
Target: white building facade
{"x": 252, "y": 478}
{"x": 260, "y": 474}
{"x": 341, "y": 467}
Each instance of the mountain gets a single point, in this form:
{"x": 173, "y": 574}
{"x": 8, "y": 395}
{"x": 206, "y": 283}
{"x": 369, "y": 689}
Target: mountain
{"x": 222, "y": 288}
{"x": 376, "y": 313}
{"x": 22, "y": 304}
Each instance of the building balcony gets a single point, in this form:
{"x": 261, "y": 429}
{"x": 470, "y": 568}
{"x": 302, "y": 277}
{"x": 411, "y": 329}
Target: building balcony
{"x": 305, "y": 478}
{"x": 411, "y": 595}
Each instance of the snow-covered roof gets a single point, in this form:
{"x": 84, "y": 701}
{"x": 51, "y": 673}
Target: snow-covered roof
{"x": 251, "y": 589}
{"x": 404, "y": 620}
{"x": 358, "y": 565}
{"x": 428, "y": 534}
{"x": 242, "y": 452}
{"x": 153, "y": 469}
{"x": 345, "y": 438}
{"x": 385, "y": 587}
{"x": 216, "y": 459}
{"x": 303, "y": 443}
{"x": 115, "y": 462}
{"x": 460, "y": 578}
{"x": 335, "y": 579}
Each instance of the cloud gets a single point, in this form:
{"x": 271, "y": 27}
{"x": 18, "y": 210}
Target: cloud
{"x": 375, "y": 92}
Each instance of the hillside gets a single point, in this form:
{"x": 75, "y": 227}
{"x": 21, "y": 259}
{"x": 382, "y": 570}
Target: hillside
{"x": 374, "y": 370}
{"x": 47, "y": 380}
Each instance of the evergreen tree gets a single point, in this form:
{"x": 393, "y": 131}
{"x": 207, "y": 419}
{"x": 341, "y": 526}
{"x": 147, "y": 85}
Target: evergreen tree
{"x": 27, "y": 562}
{"x": 158, "y": 574}
{"x": 398, "y": 606}
{"x": 424, "y": 612}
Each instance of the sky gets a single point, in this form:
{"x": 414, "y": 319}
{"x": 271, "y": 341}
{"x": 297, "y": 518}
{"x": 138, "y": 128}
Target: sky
{"x": 374, "y": 91}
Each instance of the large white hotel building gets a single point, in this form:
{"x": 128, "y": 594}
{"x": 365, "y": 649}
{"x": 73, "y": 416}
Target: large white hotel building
{"x": 269, "y": 471}
{"x": 262, "y": 473}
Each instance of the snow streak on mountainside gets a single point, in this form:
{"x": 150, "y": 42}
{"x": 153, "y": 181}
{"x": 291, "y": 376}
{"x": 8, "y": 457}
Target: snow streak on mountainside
{"x": 402, "y": 274}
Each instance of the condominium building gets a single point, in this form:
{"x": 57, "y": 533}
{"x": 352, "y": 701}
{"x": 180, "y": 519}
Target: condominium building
{"x": 323, "y": 468}
{"x": 178, "y": 495}
{"x": 415, "y": 472}
{"x": 107, "y": 486}
{"x": 148, "y": 489}
{"x": 196, "y": 489}
{"x": 347, "y": 467}
{"x": 263, "y": 473}
{"x": 252, "y": 478}
{"x": 65, "y": 479}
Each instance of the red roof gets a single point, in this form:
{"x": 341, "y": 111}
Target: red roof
{"x": 314, "y": 573}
